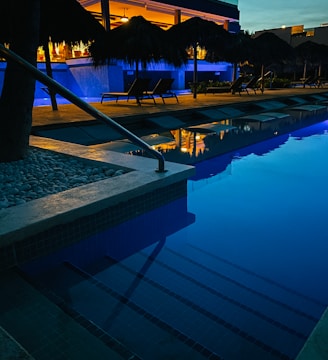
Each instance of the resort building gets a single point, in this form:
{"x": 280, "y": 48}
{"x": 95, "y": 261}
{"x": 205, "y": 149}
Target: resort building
{"x": 73, "y": 67}
{"x": 165, "y": 13}
{"x": 297, "y": 34}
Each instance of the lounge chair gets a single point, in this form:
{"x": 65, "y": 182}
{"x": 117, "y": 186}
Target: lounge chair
{"x": 321, "y": 82}
{"x": 217, "y": 89}
{"x": 237, "y": 86}
{"x": 161, "y": 89}
{"x": 310, "y": 81}
{"x": 316, "y": 81}
{"x": 137, "y": 90}
{"x": 253, "y": 84}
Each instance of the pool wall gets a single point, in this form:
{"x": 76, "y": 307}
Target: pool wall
{"x": 41, "y": 226}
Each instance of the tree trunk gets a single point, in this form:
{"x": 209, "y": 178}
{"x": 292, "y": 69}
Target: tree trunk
{"x": 137, "y": 69}
{"x": 52, "y": 93}
{"x": 195, "y": 75}
{"x": 262, "y": 79}
{"x": 16, "y": 102}
{"x": 234, "y": 71}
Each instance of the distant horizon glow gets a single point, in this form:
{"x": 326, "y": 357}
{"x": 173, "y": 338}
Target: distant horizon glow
{"x": 258, "y": 15}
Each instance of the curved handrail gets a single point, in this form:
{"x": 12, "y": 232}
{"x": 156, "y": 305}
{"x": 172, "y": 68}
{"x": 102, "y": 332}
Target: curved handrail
{"x": 58, "y": 88}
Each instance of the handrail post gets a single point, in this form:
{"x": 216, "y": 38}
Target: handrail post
{"x": 61, "y": 90}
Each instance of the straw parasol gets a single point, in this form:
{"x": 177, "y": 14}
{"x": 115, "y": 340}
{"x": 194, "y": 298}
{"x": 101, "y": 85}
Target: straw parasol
{"x": 25, "y": 25}
{"x": 311, "y": 53}
{"x": 60, "y": 20}
{"x": 196, "y": 32}
{"x": 270, "y": 49}
{"x": 138, "y": 42}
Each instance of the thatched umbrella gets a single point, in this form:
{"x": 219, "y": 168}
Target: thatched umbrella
{"x": 60, "y": 20}
{"x": 196, "y": 32}
{"x": 137, "y": 42}
{"x": 237, "y": 50}
{"x": 270, "y": 49}
{"x": 69, "y": 21}
{"x": 311, "y": 53}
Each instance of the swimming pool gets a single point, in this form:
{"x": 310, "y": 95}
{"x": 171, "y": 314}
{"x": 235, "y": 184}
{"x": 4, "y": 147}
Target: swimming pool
{"x": 236, "y": 270}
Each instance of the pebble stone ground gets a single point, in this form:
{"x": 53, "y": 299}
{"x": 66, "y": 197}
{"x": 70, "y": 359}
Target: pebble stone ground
{"x": 45, "y": 172}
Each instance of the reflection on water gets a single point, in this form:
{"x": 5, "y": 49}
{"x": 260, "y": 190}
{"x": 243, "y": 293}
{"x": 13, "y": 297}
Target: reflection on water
{"x": 197, "y": 143}
{"x": 267, "y": 208}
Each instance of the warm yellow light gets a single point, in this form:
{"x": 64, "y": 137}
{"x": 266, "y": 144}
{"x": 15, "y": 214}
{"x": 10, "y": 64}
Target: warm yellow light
{"x": 124, "y": 18}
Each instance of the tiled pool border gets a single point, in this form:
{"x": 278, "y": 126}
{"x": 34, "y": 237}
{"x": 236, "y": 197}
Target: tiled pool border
{"x": 41, "y": 226}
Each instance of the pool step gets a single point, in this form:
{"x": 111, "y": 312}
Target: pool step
{"x": 306, "y": 306}
{"x": 221, "y": 300}
{"x": 200, "y": 315}
{"x": 256, "y": 306}
{"x": 192, "y": 297}
{"x": 42, "y": 328}
{"x": 138, "y": 330}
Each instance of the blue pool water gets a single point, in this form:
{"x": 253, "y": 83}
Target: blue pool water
{"x": 237, "y": 270}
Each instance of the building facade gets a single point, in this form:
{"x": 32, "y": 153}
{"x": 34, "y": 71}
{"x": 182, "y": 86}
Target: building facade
{"x": 165, "y": 13}
{"x": 297, "y": 34}
{"x": 75, "y": 70}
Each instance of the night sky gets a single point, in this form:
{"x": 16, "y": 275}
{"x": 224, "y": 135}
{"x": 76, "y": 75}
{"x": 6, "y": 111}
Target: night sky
{"x": 269, "y": 14}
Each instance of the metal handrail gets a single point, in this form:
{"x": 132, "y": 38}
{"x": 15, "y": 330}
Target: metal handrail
{"x": 61, "y": 90}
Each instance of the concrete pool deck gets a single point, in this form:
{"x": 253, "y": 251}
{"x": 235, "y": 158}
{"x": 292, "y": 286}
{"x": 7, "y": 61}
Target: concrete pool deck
{"x": 126, "y": 112}
{"x": 23, "y": 221}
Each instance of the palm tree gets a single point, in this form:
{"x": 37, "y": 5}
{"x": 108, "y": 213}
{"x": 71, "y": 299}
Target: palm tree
{"x": 26, "y": 25}
{"x": 19, "y": 25}
{"x": 196, "y": 32}
{"x": 76, "y": 24}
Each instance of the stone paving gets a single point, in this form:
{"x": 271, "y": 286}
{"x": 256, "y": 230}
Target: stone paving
{"x": 123, "y": 110}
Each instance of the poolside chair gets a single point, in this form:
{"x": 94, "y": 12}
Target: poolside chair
{"x": 216, "y": 89}
{"x": 137, "y": 90}
{"x": 320, "y": 82}
{"x": 162, "y": 89}
{"x": 310, "y": 81}
{"x": 237, "y": 86}
{"x": 314, "y": 81}
{"x": 253, "y": 84}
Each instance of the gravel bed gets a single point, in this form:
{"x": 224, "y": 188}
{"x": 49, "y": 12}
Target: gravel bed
{"x": 46, "y": 172}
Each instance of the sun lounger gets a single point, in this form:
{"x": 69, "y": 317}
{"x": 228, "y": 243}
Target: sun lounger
{"x": 253, "y": 84}
{"x": 237, "y": 86}
{"x": 310, "y": 81}
{"x": 137, "y": 90}
{"x": 321, "y": 82}
{"x": 317, "y": 82}
{"x": 217, "y": 89}
{"x": 161, "y": 89}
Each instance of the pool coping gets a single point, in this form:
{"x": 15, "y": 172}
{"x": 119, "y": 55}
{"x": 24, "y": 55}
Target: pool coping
{"x": 315, "y": 347}
{"x": 25, "y": 220}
